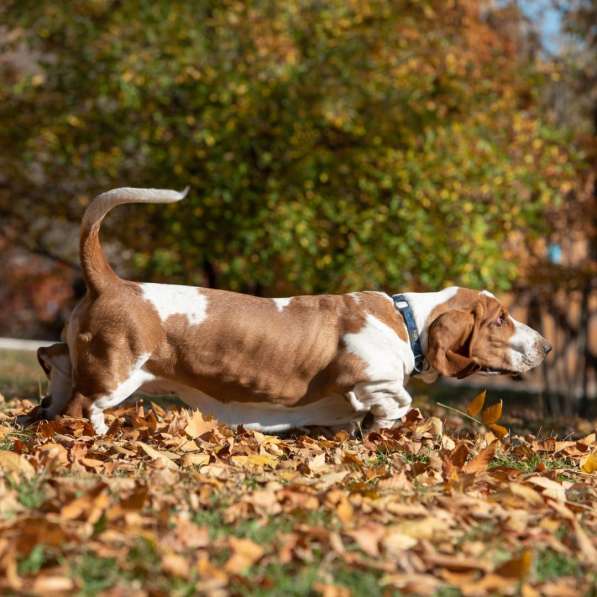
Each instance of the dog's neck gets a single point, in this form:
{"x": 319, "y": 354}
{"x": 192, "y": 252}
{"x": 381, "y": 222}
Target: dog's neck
{"x": 422, "y": 305}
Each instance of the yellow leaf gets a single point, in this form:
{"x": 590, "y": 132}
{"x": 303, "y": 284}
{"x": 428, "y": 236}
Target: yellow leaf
{"x": 244, "y": 554}
{"x": 492, "y": 413}
{"x": 254, "y": 460}
{"x": 164, "y": 457}
{"x": 517, "y": 567}
{"x": 480, "y": 462}
{"x": 15, "y": 463}
{"x": 197, "y": 425}
{"x": 589, "y": 463}
{"x": 499, "y": 430}
{"x": 195, "y": 459}
{"x": 476, "y": 404}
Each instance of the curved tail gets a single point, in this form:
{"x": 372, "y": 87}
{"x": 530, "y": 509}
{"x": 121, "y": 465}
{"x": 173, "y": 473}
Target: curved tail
{"x": 96, "y": 270}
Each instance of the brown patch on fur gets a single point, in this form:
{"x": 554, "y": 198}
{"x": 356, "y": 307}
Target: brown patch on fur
{"x": 248, "y": 351}
{"x": 378, "y": 305}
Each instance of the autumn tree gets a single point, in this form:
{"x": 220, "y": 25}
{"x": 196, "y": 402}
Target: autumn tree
{"x": 328, "y": 146}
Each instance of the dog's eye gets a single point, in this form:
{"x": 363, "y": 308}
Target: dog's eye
{"x": 500, "y": 320}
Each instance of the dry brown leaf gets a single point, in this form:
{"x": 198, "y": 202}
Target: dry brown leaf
{"x": 160, "y": 456}
{"x": 54, "y": 453}
{"x": 588, "y": 551}
{"x": 327, "y": 590}
{"x": 176, "y": 565}
{"x": 492, "y": 414}
{"x": 16, "y": 463}
{"x": 481, "y": 460}
{"x": 254, "y": 461}
{"x": 589, "y": 463}
{"x": 458, "y": 455}
{"x": 368, "y": 538}
{"x": 344, "y": 511}
{"x": 318, "y": 464}
{"x": 396, "y": 542}
{"x": 518, "y": 567}
{"x": 197, "y": 425}
{"x": 47, "y": 585}
{"x": 476, "y": 404}
{"x": 552, "y": 489}
{"x": 499, "y": 430}
{"x": 525, "y": 492}
{"x": 245, "y": 553}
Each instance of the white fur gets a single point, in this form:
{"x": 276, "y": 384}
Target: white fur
{"x": 263, "y": 416}
{"x": 526, "y": 347}
{"x": 281, "y": 303}
{"x": 170, "y": 299}
{"x": 137, "y": 377}
{"x": 389, "y": 362}
{"x": 386, "y": 354}
{"x": 423, "y": 303}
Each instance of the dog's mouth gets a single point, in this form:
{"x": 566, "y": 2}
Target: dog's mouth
{"x": 498, "y": 371}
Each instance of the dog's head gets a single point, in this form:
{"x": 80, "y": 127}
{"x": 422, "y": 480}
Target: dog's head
{"x": 474, "y": 333}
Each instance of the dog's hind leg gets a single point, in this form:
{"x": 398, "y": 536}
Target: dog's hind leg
{"x": 83, "y": 404}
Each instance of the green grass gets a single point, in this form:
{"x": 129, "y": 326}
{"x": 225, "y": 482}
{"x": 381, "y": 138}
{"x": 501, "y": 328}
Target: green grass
{"x": 528, "y": 465}
{"x": 550, "y": 564}
{"x": 30, "y": 492}
{"x": 33, "y": 562}
{"x": 260, "y": 531}
{"x": 94, "y": 573}
{"x": 20, "y": 374}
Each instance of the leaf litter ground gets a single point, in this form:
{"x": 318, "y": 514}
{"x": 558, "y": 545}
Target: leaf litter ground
{"x": 169, "y": 503}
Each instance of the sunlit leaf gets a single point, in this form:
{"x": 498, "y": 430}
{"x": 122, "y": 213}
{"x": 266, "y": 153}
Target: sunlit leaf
{"x": 476, "y": 404}
{"x": 492, "y": 413}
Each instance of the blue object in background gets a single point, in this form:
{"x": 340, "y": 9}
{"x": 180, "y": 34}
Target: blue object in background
{"x": 554, "y": 253}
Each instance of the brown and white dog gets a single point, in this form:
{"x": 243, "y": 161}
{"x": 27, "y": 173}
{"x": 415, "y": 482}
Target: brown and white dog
{"x": 268, "y": 364}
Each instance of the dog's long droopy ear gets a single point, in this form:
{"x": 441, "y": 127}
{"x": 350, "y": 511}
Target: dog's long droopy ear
{"x": 448, "y": 344}
{"x": 42, "y": 357}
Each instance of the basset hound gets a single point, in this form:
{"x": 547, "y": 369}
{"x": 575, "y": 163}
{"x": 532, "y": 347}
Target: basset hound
{"x": 267, "y": 364}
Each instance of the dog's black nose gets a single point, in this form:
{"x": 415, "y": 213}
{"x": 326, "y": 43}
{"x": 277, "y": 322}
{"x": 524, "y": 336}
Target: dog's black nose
{"x": 547, "y": 348}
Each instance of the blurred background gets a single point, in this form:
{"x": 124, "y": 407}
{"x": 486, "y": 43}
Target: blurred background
{"x": 330, "y": 146}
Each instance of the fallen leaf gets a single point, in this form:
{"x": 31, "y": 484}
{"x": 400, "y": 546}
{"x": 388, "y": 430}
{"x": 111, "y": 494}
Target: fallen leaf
{"x": 245, "y": 553}
{"x": 197, "y": 425}
{"x": 16, "y": 463}
{"x": 551, "y": 488}
{"x": 492, "y": 413}
{"x": 499, "y": 430}
{"x": 481, "y": 460}
{"x": 157, "y": 455}
{"x": 317, "y": 464}
{"x": 587, "y": 549}
{"x": 518, "y": 567}
{"x": 47, "y": 584}
{"x": 176, "y": 565}
{"x": 476, "y": 404}
{"x": 589, "y": 463}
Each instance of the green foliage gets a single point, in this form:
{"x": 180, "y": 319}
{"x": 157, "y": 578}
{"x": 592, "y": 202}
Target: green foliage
{"x": 328, "y": 146}
{"x": 33, "y": 562}
{"x": 550, "y": 565}
{"x": 95, "y": 573}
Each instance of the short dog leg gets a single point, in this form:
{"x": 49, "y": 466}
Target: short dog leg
{"x": 388, "y": 402}
{"x": 93, "y": 407}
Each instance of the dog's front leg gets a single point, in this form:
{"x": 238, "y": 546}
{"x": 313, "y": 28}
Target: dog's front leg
{"x": 56, "y": 363}
{"x": 387, "y": 401}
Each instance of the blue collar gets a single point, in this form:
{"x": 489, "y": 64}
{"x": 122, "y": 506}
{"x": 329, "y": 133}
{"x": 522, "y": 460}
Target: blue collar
{"x": 403, "y": 306}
